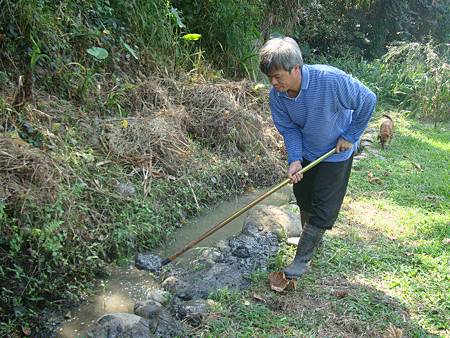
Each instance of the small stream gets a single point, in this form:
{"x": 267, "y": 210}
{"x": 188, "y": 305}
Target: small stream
{"x": 127, "y": 285}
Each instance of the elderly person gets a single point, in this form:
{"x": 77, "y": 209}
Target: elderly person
{"x": 315, "y": 108}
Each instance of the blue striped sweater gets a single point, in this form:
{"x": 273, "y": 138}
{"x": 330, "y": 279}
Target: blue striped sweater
{"x": 329, "y": 105}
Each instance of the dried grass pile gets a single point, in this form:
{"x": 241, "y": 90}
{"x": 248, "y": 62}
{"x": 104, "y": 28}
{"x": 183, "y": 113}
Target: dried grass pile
{"x": 25, "y": 172}
{"x": 152, "y": 141}
{"x": 164, "y": 114}
{"x": 248, "y": 95}
{"x": 217, "y": 118}
{"x": 149, "y": 96}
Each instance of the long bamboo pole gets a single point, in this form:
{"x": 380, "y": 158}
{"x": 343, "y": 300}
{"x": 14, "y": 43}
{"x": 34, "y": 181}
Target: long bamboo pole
{"x": 244, "y": 209}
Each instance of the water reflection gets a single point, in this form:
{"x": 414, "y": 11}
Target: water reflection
{"x": 118, "y": 293}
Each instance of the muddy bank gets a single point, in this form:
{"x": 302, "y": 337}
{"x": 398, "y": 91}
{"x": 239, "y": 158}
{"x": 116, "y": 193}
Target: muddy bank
{"x": 182, "y": 298}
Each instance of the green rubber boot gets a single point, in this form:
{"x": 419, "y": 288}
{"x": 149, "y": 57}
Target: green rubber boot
{"x": 309, "y": 241}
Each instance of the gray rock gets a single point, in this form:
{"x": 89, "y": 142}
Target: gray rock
{"x": 223, "y": 246}
{"x": 293, "y": 240}
{"x": 360, "y": 156}
{"x": 160, "y": 296}
{"x": 195, "y": 311}
{"x": 212, "y": 255}
{"x": 148, "y": 309}
{"x": 125, "y": 189}
{"x": 247, "y": 254}
{"x": 243, "y": 245}
{"x": 121, "y": 325}
{"x": 291, "y": 208}
{"x": 168, "y": 326}
{"x": 375, "y": 152}
{"x": 178, "y": 287}
{"x": 273, "y": 219}
{"x": 366, "y": 143}
{"x": 148, "y": 261}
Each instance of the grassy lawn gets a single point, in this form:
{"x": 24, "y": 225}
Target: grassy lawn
{"x": 383, "y": 271}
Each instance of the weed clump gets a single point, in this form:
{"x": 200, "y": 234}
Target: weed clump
{"x": 157, "y": 140}
{"x": 217, "y": 119}
{"x": 146, "y": 97}
{"x": 25, "y": 172}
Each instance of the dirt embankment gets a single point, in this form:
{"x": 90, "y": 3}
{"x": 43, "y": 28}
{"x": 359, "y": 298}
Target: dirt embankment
{"x": 89, "y": 182}
{"x": 164, "y": 123}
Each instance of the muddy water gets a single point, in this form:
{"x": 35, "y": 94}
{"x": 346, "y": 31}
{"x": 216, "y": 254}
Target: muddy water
{"x": 118, "y": 293}
{"x": 127, "y": 285}
{"x": 213, "y": 216}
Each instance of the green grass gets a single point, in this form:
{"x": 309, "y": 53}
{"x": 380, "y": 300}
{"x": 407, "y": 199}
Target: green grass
{"x": 383, "y": 267}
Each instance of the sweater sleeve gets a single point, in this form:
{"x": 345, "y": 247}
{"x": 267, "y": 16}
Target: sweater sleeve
{"x": 352, "y": 94}
{"x": 291, "y": 132}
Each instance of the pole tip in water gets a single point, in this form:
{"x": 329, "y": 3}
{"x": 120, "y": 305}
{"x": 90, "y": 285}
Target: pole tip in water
{"x": 165, "y": 261}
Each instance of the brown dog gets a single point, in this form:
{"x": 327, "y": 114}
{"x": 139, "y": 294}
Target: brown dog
{"x": 386, "y": 130}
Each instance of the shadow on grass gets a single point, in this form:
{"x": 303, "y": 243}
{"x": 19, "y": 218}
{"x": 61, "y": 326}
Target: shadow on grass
{"x": 335, "y": 307}
{"x": 396, "y": 264}
{"x": 411, "y": 178}
{"x": 322, "y": 306}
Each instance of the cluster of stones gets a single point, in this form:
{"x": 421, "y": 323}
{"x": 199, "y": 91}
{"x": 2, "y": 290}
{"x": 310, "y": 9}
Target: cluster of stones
{"x": 366, "y": 146}
{"x": 183, "y": 297}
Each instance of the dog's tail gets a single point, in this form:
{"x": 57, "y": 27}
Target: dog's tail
{"x": 387, "y": 116}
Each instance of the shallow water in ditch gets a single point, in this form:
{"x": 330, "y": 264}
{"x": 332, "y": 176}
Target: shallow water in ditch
{"x": 127, "y": 285}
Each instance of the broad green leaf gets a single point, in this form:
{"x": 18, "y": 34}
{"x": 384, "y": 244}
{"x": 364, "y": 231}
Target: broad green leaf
{"x": 130, "y": 50}
{"x": 192, "y": 37}
{"x": 98, "y": 52}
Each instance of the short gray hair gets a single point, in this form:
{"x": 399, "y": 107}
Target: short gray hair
{"x": 280, "y": 53}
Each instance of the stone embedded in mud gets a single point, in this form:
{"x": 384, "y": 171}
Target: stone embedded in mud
{"x": 148, "y": 261}
{"x": 223, "y": 246}
{"x": 195, "y": 311}
{"x": 178, "y": 287}
{"x": 243, "y": 246}
{"x": 241, "y": 252}
{"x": 168, "y": 326}
{"x": 211, "y": 255}
{"x": 272, "y": 219}
{"x": 170, "y": 283}
{"x": 160, "y": 296}
{"x": 148, "y": 309}
{"x": 120, "y": 325}
{"x": 293, "y": 240}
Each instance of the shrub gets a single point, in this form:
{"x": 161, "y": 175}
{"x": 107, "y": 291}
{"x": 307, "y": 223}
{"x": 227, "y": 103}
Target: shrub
{"x": 415, "y": 76}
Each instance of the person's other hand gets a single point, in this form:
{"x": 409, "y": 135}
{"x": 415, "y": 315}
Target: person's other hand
{"x": 343, "y": 145}
{"x": 293, "y": 173}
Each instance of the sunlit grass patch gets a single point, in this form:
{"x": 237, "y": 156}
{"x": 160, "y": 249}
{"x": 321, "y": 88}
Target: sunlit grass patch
{"x": 384, "y": 266}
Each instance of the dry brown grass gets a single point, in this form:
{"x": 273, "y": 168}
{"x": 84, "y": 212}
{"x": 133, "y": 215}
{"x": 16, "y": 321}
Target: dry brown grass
{"x": 25, "y": 172}
{"x": 221, "y": 115}
{"x": 149, "y": 96}
{"x": 157, "y": 140}
{"x": 229, "y": 117}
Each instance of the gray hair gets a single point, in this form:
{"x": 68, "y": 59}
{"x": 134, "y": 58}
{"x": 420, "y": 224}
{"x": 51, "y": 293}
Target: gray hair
{"x": 280, "y": 53}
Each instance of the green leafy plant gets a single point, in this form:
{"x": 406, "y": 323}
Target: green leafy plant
{"x": 416, "y": 76}
{"x": 98, "y": 52}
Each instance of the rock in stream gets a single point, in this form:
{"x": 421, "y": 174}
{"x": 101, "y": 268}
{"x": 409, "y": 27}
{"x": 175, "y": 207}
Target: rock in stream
{"x": 185, "y": 290}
